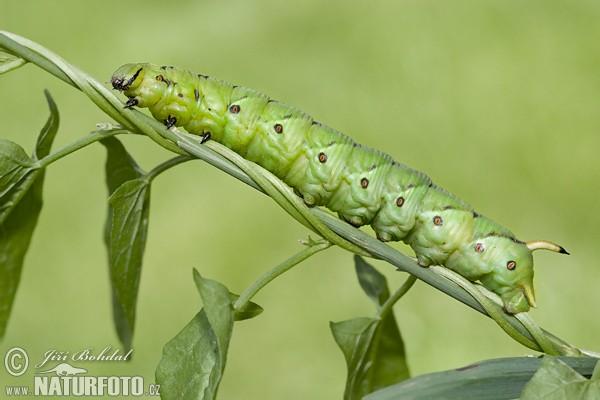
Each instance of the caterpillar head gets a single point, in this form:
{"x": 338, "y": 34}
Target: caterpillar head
{"x": 511, "y": 276}
{"x": 128, "y": 77}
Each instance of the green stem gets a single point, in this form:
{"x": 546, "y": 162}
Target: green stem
{"x": 285, "y": 266}
{"x": 494, "y": 312}
{"x": 389, "y": 303}
{"x": 538, "y": 335}
{"x": 79, "y": 144}
{"x": 170, "y": 163}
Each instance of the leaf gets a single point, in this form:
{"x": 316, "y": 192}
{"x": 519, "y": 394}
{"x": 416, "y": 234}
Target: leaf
{"x": 20, "y": 205}
{"x": 555, "y": 380}
{"x": 354, "y": 337}
{"x": 125, "y": 233}
{"x": 8, "y": 62}
{"x": 15, "y": 166}
{"x": 250, "y": 310}
{"x": 498, "y": 379}
{"x": 373, "y": 347}
{"x": 48, "y": 132}
{"x": 130, "y": 205}
{"x": 372, "y": 281}
{"x": 120, "y": 167}
{"x": 193, "y": 362}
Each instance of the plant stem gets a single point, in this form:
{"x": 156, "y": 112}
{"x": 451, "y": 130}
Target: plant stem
{"x": 389, "y": 303}
{"x": 162, "y": 167}
{"x": 285, "y": 266}
{"x": 79, "y": 144}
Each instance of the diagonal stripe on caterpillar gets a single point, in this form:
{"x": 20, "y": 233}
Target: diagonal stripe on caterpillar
{"x": 326, "y": 168}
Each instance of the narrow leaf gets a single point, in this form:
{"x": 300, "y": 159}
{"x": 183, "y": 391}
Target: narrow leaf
{"x": 48, "y": 132}
{"x": 372, "y": 281}
{"x": 8, "y": 62}
{"x": 20, "y": 207}
{"x": 130, "y": 205}
{"x": 125, "y": 249}
{"x": 373, "y": 347}
{"x": 120, "y": 167}
{"x": 555, "y": 380}
{"x": 193, "y": 362}
{"x": 499, "y": 379}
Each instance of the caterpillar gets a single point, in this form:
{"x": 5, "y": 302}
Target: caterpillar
{"x": 327, "y": 168}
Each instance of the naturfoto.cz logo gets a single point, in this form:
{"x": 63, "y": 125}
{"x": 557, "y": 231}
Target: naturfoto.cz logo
{"x": 65, "y": 379}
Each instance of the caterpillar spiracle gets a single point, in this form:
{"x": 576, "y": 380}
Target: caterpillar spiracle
{"x": 326, "y": 168}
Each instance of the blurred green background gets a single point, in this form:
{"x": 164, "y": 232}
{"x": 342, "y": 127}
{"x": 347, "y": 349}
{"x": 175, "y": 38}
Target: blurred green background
{"x": 499, "y": 101}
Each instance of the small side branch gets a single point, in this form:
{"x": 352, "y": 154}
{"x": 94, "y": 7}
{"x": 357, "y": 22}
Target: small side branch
{"x": 285, "y": 266}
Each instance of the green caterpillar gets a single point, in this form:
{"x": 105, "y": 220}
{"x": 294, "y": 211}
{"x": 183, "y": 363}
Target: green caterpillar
{"x": 326, "y": 168}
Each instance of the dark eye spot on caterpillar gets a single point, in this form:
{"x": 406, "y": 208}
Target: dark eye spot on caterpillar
{"x": 400, "y": 201}
{"x": 479, "y": 247}
{"x": 364, "y": 183}
{"x": 511, "y": 265}
{"x": 234, "y": 109}
{"x": 322, "y": 157}
{"x": 278, "y": 128}
{"x": 437, "y": 220}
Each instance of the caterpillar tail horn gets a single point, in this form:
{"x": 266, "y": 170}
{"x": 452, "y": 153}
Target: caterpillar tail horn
{"x": 545, "y": 245}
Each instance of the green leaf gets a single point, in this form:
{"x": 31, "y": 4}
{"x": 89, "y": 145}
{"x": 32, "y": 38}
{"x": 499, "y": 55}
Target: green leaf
{"x": 120, "y": 167}
{"x": 555, "y": 380}
{"x": 354, "y": 337}
{"x": 15, "y": 167}
{"x": 193, "y": 362}
{"x": 48, "y": 132}
{"x": 596, "y": 374}
{"x": 250, "y": 310}
{"x": 498, "y": 379}
{"x": 130, "y": 205}
{"x": 373, "y": 347}
{"x": 20, "y": 205}
{"x": 372, "y": 281}
{"x": 125, "y": 233}
{"x": 8, "y": 62}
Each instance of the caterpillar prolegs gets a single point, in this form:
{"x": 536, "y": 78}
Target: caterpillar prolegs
{"x": 326, "y": 168}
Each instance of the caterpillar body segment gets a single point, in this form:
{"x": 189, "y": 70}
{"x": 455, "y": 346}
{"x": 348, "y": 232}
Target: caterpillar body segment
{"x": 327, "y": 168}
